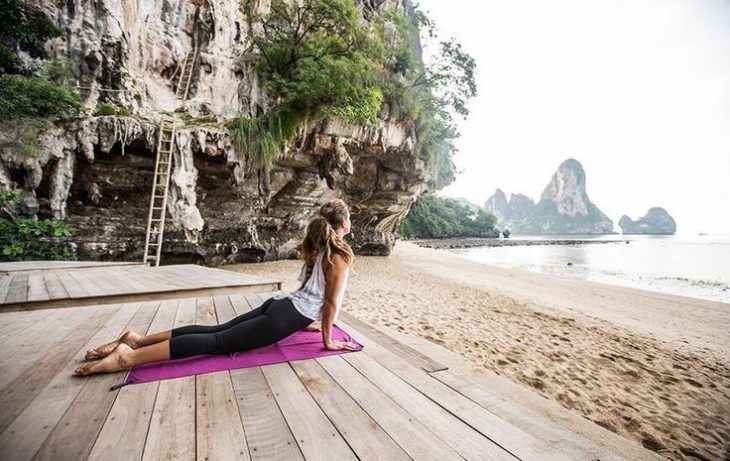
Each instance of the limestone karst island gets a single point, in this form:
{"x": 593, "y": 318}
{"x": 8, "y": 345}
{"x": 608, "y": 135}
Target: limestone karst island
{"x": 313, "y": 229}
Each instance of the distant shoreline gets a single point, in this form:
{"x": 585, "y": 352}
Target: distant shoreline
{"x": 471, "y": 242}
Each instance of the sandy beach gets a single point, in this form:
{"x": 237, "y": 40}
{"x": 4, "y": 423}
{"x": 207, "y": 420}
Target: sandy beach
{"x": 651, "y": 367}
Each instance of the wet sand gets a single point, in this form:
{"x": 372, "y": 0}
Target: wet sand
{"x": 651, "y": 367}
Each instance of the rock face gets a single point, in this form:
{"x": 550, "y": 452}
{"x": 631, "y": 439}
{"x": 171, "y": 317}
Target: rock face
{"x": 564, "y": 207}
{"x": 656, "y": 222}
{"x": 97, "y": 172}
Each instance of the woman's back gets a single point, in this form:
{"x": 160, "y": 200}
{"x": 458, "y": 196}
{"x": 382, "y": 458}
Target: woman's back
{"x": 310, "y": 298}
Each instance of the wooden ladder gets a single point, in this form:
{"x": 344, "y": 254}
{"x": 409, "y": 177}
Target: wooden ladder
{"x": 163, "y": 165}
{"x": 183, "y": 82}
{"x": 160, "y": 185}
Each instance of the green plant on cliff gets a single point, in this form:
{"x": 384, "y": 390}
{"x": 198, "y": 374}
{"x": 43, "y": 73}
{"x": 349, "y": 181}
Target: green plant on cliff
{"x": 41, "y": 90}
{"x": 319, "y": 59}
{"x": 23, "y": 239}
{"x": 435, "y": 217}
{"x": 22, "y": 27}
{"x": 108, "y": 109}
{"x": 22, "y": 96}
{"x": 429, "y": 94}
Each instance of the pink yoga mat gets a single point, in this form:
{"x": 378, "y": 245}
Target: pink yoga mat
{"x": 300, "y": 345}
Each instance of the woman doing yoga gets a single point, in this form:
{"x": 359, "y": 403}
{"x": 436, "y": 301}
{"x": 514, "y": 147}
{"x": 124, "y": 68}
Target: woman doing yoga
{"x": 314, "y": 306}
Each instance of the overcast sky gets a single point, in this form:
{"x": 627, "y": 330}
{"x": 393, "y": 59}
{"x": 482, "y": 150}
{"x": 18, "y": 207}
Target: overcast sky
{"x": 637, "y": 91}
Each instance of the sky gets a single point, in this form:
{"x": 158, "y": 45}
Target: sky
{"x": 637, "y": 91}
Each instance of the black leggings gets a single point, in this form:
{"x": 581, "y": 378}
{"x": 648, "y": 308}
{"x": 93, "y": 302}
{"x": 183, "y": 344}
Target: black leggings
{"x": 273, "y": 321}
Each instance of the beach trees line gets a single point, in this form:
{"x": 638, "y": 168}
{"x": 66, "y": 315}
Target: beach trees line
{"x": 439, "y": 217}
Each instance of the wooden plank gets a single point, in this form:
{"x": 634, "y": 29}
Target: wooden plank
{"x": 13, "y": 323}
{"x": 20, "y": 266}
{"x": 18, "y": 291}
{"x": 123, "y": 433}
{"x": 363, "y": 434}
{"x": 54, "y": 286}
{"x": 239, "y": 303}
{"x": 166, "y": 278}
{"x": 172, "y": 426}
{"x": 511, "y": 438}
{"x": 25, "y": 435}
{"x": 205, "y": 312}
{"x": 317, "y": 438}
{"x": 26, "y": 347}
{"x": 220, "y": 433}
{"x": 408, "y": 353}
{"x": 72, "y": 287}
{"x": 125, "y": 298}
{"x": 92, "y": 287}
{"x": 5, "y": 280}
{"x": 570, "y": 443}
{"x": 109, "y": 285}
{"x": 37, "y": 287}
{"x": 223, "y": 309}
{"x": 135, "y": 285}
{"x": 18, "y": 394}
{"x": 455, "y": 433}
{"x": 75, "y": 434}
{"x": 409, "y": 433}
{"x": 576, "y": 436}
{"x": 219, "y": 428}
{"x": 268, "y": 435}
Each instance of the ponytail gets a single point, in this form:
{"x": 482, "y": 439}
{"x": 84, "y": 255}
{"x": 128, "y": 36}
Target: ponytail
{"x": 321, "y": 235}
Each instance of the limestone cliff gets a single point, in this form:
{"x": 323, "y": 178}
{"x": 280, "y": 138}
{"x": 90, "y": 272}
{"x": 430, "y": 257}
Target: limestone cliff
{"x": 656, "y": 222}
{"x": 97, "y": 172}
{"x": 564, "y": 207}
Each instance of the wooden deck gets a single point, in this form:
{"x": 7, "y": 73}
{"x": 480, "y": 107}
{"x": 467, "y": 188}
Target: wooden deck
{"x": 44, "y": 286}
{"x": 21, "y": 266}
{"x": 389, "y": 401}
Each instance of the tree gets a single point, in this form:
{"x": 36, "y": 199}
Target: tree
{"x": 435, "y": 217}
{"x": 22, "y": 27}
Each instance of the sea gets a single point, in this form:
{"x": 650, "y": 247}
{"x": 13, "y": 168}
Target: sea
{"x": 696, "y": 265}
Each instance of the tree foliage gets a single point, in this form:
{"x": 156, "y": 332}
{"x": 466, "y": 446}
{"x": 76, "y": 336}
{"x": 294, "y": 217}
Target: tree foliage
{"x": 38, "y": 90}
{"x": 429, "y": 94}
{"x": 23, "y": 239}
{"x": 22, "y": 27}
{"x": 321, "y": 58}
{"x": 22, "y": 96}
{"x": 435, "y": 217}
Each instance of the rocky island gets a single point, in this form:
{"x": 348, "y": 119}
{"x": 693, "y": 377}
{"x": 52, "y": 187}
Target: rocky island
{"x": 564, "y": 207}
{"x": 656, "y": 222}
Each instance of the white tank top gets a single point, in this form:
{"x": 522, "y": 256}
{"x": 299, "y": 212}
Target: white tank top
{"x": 309, "y": 299}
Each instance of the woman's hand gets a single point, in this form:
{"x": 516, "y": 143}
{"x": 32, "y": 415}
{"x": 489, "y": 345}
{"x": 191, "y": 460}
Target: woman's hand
{"x": 339, "y": 345}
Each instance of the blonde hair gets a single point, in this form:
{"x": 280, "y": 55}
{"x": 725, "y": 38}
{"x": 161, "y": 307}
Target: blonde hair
{"x": 321, "y": 235}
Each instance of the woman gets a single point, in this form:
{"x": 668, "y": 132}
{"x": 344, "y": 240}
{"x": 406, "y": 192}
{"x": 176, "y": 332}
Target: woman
{"x": 314, "y": 306}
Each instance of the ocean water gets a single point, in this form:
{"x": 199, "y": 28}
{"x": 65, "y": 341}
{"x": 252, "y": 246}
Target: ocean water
{"x": 697, "y": 266}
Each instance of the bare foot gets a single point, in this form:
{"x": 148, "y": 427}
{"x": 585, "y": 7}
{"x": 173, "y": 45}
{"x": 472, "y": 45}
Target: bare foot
{"x": 129, "y": 338}
{"x": 116, "y": 361}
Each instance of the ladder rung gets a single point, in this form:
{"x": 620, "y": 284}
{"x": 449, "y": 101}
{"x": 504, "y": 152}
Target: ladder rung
{"x": 157, "y": 208}
{"x": 155, "y": 220}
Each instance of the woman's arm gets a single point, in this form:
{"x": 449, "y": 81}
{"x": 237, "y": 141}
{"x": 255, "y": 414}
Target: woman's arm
{"x": 334, "y": 276}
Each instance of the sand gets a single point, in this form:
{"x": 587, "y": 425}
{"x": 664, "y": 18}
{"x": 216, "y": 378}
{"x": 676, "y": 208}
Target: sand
{"x": 651, "y": 367}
